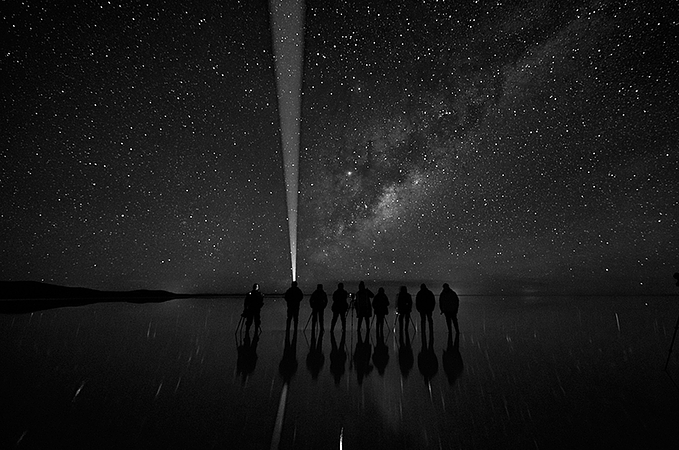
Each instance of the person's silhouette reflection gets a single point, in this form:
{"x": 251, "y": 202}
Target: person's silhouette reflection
{"x": 315, "y": 359}
{"x": 452, "y": 360}
{"x": 362, "y": 356}
{"x": 247, "y": 356}
{"x": 288, "y": 365}
{"x": 381, "y": 354}
{"x": 406, "y": 360}
{"x": 338, "y": 357}
{"x": 427, "y": 361}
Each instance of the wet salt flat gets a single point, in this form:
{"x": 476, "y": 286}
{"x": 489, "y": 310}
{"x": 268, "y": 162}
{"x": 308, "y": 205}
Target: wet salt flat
{"x": 551, "y": 372}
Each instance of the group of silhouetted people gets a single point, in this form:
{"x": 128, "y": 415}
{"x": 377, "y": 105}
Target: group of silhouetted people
{"x": 364, "y": 302}
{"x": 425, "y": 303}
{"x": 367, "y": 307}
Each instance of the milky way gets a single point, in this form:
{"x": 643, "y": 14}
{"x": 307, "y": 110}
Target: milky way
{"x": 498, "y": 146}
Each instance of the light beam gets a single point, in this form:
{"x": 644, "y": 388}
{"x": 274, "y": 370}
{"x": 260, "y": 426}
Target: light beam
{"x": 288, "y": 43}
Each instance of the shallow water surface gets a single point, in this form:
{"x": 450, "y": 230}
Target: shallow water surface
{"x": 553, "y": 372}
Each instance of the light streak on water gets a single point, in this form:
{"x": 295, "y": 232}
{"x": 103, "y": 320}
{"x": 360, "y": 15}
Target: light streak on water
{"x": 77, "y": 392}
{"x": 288, "y": 43}
{"x": 278, "y": 427}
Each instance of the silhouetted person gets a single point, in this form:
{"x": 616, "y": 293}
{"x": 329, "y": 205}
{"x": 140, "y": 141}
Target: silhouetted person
{"x": 381, "y": 354}
{"x": 452, "y": 360}
{"x": 338, "y": 357}
{"x": 288, "y": 364}
{"x": 425, "y": 302}
{"x": 339, "y": 307}
{"x": 363, "y": 308}
{"x": 247, "y": 356}
{"x": 293, "y": 297}
{"x": 362, "y": 357}
{"x": 404, "y": 305}
{"x": 315, "y": 359}
{"x": 381, "y": 309}
{"x": 406, "y": 360}
{"x": 449, "y": 303}
{"x": 254, "y": 300}
{"x": 427, "y": 361}
{"x": 318, "y": 302}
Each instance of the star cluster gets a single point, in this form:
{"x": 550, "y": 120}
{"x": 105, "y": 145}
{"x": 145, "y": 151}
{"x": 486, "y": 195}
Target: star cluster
{"x": 499, "y": 146}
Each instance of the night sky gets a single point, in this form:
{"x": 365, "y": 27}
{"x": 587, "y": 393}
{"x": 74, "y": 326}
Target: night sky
{"x": 524, "y": 147}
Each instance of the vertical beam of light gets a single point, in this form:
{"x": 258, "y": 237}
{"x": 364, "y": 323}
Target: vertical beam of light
{"x": 288, "y": 44}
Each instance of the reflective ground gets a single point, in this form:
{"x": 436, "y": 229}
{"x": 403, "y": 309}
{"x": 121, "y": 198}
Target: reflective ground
{"x": 534, "y": 372}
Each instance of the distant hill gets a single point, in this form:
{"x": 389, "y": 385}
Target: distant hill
{"x": 27, "y": 296}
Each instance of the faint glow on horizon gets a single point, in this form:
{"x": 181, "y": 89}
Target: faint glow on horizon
{"x": 288, "y": 43}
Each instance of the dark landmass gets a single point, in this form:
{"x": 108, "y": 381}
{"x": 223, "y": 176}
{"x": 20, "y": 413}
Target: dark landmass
{"x": 30, "y": 296}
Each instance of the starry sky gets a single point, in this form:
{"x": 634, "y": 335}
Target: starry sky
{"x": 506, "y": 146}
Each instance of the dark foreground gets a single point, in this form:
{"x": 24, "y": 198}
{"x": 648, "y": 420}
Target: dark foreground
{"x": 523, "y": 373}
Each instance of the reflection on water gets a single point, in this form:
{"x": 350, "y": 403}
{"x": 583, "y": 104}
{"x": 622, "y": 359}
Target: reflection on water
{"x": 381, "y": 354}
{"x": 315, "y": 358}
{"x": 427, "y": 361}
{"x": 288, "y": 364}
{"x": 338, "y": 356}
{"x": 405, "y": 353}
{"x": 543, "y": 372}
{"x": 247, "y": 355}
{"x": 452, "y": 359}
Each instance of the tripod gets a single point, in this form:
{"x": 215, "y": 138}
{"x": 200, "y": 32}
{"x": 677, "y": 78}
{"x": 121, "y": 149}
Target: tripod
{"x": 240, "y": 323}
{"x": 384, "y": 322}
{"x": 307, "y": 321}
{"x": 410, "y": 322}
